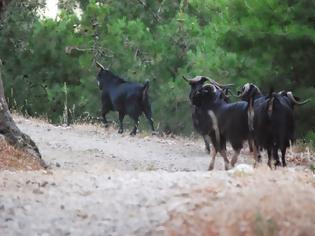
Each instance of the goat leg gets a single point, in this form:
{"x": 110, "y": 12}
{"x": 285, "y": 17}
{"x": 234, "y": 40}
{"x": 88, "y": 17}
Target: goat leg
{"x": 105, "y": 110}
{"x": 134, "y": 131}
{"x": 269, "y": 157}
{"x": 235, "y": 156}
{"x": 150, "y": 120}
{"x": 256, "y": 154}
{"x": 121, "y": 126}
{"x": 250, "y": 145}
{"x": 207, "y": 141}
{"x": 214, "y": 153}
{"x": 226, "y": 160}
{"x": 104, "y": 120}
{"x": 276, "y": 156}
{"x": 283, "y": 151}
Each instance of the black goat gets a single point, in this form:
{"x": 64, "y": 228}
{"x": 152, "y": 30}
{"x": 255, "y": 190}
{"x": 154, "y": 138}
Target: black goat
{"x": 259, "y": 112}
{"x": 125, "y": 97}
{"x": 282, "y": 118}
{"x": 200, "y": 119}
{"x": 271, "y": 119}
{"x": 220, "y": 120}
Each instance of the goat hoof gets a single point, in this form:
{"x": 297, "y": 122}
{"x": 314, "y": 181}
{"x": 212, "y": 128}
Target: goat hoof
{"x": 227, "y": 167}
{"x": 277, "y": 163}
{"x": 120, "y": 131}
{"x": 132, "y": 133}
{"x": 154, "y": 133}
{"x": 211, "y": 167}
{"x": 233, "y": 163}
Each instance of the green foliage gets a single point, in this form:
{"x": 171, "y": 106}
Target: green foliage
{"x": 270, "y": 43}
{"x": 310, "y": 136}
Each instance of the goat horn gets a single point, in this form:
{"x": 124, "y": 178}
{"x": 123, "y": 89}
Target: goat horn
{"x": 187, "y": 80}
{"x": 100, "y": 65}
{"x": 195, "y": 79}
{"x": 207, "y": 85}
{"x": 290, "y": 95}
{"x": 221, "y": 85}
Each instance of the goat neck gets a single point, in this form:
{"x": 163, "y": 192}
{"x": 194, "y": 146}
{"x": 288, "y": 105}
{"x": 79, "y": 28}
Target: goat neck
{"x": 109, "y": 78}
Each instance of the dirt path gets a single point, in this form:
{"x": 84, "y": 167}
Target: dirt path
{"x": 92, "y": 148}
{"x": 103, "y": 183}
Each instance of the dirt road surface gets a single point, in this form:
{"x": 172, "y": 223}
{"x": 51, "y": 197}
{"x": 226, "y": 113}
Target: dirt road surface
{"x": 104, "y": 183}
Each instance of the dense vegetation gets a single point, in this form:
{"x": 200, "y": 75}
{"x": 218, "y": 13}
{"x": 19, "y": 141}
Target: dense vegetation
{"x": 49, "y": 63}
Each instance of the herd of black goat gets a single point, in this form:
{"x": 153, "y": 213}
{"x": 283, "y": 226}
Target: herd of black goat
{"x": 265, "y": 121}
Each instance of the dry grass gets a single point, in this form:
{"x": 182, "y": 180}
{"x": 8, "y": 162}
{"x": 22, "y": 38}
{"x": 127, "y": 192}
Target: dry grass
{"x": 266, "y": 203}
{"x": 14, "y": 159}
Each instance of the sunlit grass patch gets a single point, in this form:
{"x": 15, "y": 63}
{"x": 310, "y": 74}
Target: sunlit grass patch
{"x": 266, "y": 203}
{"x": 14, "y": 159}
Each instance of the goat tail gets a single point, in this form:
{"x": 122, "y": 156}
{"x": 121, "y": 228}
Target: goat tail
{"x": 270, "y": 103}
{"x": 145, "y": 90}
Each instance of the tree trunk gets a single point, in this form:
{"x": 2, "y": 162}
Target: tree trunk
{"x": 11, "y": 132}
{"x": 8, "y": 129}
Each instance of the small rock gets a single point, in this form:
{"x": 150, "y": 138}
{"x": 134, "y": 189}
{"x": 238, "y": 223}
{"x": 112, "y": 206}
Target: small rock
{"x": 58, "y": 165}
{"x": 82, "y": 215}
{"x": 37, "y": 191}
{"x": 242, "y": 169}
{"x": 43, "y": 184}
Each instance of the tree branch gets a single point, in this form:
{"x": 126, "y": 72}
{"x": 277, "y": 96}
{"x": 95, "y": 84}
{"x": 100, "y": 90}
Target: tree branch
{"x": 145, "y": 6}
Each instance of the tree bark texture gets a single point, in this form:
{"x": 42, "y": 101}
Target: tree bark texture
{"x": 8, "y": 129}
